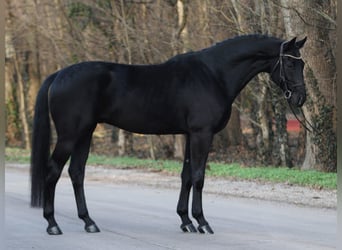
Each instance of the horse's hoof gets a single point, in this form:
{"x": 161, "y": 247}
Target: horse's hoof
{"x": 92, "y": 228}
{"x": 189, "y": 228}
{"x": 205, "y": 229}
{"x": 54, "y": 230}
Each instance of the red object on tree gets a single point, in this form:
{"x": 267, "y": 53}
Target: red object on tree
{"x": 293, "y": 125}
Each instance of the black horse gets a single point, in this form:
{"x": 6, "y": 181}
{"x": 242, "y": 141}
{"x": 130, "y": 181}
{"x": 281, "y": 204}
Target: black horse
{"x": 189, "y": 94}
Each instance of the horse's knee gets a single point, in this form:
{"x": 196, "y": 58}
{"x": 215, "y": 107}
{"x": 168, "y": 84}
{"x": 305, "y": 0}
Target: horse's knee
{"x": 186, "y": 182}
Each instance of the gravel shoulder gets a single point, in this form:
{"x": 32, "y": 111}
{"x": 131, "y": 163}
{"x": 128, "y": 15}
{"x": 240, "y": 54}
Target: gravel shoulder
{"x": 277, "y": 192}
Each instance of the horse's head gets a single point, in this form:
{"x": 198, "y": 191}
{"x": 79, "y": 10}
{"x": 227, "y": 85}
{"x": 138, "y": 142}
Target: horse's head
{"x": 287, "y": 72}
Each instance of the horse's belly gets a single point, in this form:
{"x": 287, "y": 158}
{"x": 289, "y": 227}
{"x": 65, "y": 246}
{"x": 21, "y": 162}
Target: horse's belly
{"x": 147, "y": 122}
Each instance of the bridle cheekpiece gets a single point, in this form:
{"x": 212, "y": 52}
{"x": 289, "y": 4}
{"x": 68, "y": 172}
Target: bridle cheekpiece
{"x": 287, "y": 91}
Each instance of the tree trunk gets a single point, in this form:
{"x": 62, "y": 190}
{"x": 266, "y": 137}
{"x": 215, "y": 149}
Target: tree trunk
{"x": 264, "y": 147}
{"x": 320, "y": 76}
{"x": 125, "y": 143}
{"x": 34, "y": 64}
{"x": 281, "y": 151}
{"x": 233, "y": 128}
{"x": 22, "y": 106}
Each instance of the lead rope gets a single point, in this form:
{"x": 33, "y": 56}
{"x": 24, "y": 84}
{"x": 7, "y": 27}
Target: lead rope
{"x": 312, "y": 129}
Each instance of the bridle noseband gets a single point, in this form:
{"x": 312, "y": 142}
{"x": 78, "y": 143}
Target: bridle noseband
{"x": 283, "y": 81}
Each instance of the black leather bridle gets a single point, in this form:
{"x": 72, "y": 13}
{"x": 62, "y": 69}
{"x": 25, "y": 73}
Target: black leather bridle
{"x": 287, "y": 91}
{"x": 283, "y": 80}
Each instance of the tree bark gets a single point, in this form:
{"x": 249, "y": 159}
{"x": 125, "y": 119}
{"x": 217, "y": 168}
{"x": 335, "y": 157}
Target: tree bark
{"x": 22, "y": 106}
{"x": 315, "y": 19}
{"x": 281, "y": 151}
{"x": 264, "y": 148}
{"x": 125, "y": 143}
{"x": 34, "y": 63}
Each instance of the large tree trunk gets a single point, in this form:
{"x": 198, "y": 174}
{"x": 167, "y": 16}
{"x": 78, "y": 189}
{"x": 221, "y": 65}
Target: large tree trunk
{"x": 320, "y": 76}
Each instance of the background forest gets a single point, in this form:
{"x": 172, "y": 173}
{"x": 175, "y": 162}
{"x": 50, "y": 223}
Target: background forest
{"x": 43, "y": 36}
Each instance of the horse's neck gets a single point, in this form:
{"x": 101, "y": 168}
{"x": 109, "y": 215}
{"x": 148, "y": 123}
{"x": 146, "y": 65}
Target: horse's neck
{"x": 238, "y": 77}
{"x": 234, "y": 70}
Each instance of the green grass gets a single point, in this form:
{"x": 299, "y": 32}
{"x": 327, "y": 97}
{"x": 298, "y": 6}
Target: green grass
{"x": 17, "y": 155}
{"x": 309, "y": 178}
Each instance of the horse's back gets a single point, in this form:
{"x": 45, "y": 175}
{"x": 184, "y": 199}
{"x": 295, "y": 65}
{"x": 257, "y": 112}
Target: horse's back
{"x": 149, "y": 99}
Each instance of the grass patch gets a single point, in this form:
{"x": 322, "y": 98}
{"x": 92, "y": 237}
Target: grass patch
{"x": 309, "y": 178}
{"x": 132, "y": 162}
{"x": 17, "y": 155}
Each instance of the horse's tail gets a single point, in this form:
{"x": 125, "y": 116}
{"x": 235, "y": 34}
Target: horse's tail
{"x": 40, "y": 143}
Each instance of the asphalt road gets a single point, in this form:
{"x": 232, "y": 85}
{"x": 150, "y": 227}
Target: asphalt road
{"x": 141, "y": 217}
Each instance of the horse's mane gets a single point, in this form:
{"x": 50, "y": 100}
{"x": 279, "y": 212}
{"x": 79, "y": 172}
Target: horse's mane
{"x": 241, "y": 38}
{"x": 228, "y": 41}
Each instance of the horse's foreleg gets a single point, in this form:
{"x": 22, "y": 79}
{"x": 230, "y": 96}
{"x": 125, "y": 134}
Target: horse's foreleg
{"x": 55, "y": 166}
{"x": 76, "y": 172}
{"x": 183, "y": 202}
{"x": 199, "y": 148}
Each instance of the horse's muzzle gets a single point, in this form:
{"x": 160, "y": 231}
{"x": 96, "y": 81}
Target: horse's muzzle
{"x": 298, "y": 99}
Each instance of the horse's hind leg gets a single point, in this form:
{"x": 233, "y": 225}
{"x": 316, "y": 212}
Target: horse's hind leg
{"x": 183, "y": 202}
{"x": 76, "y": 172}
{"x": 56, "y": 163}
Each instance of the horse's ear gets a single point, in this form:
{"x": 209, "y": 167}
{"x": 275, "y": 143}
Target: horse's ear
{"x": 290, "y": 44}
{"x": 301, "y": 43}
